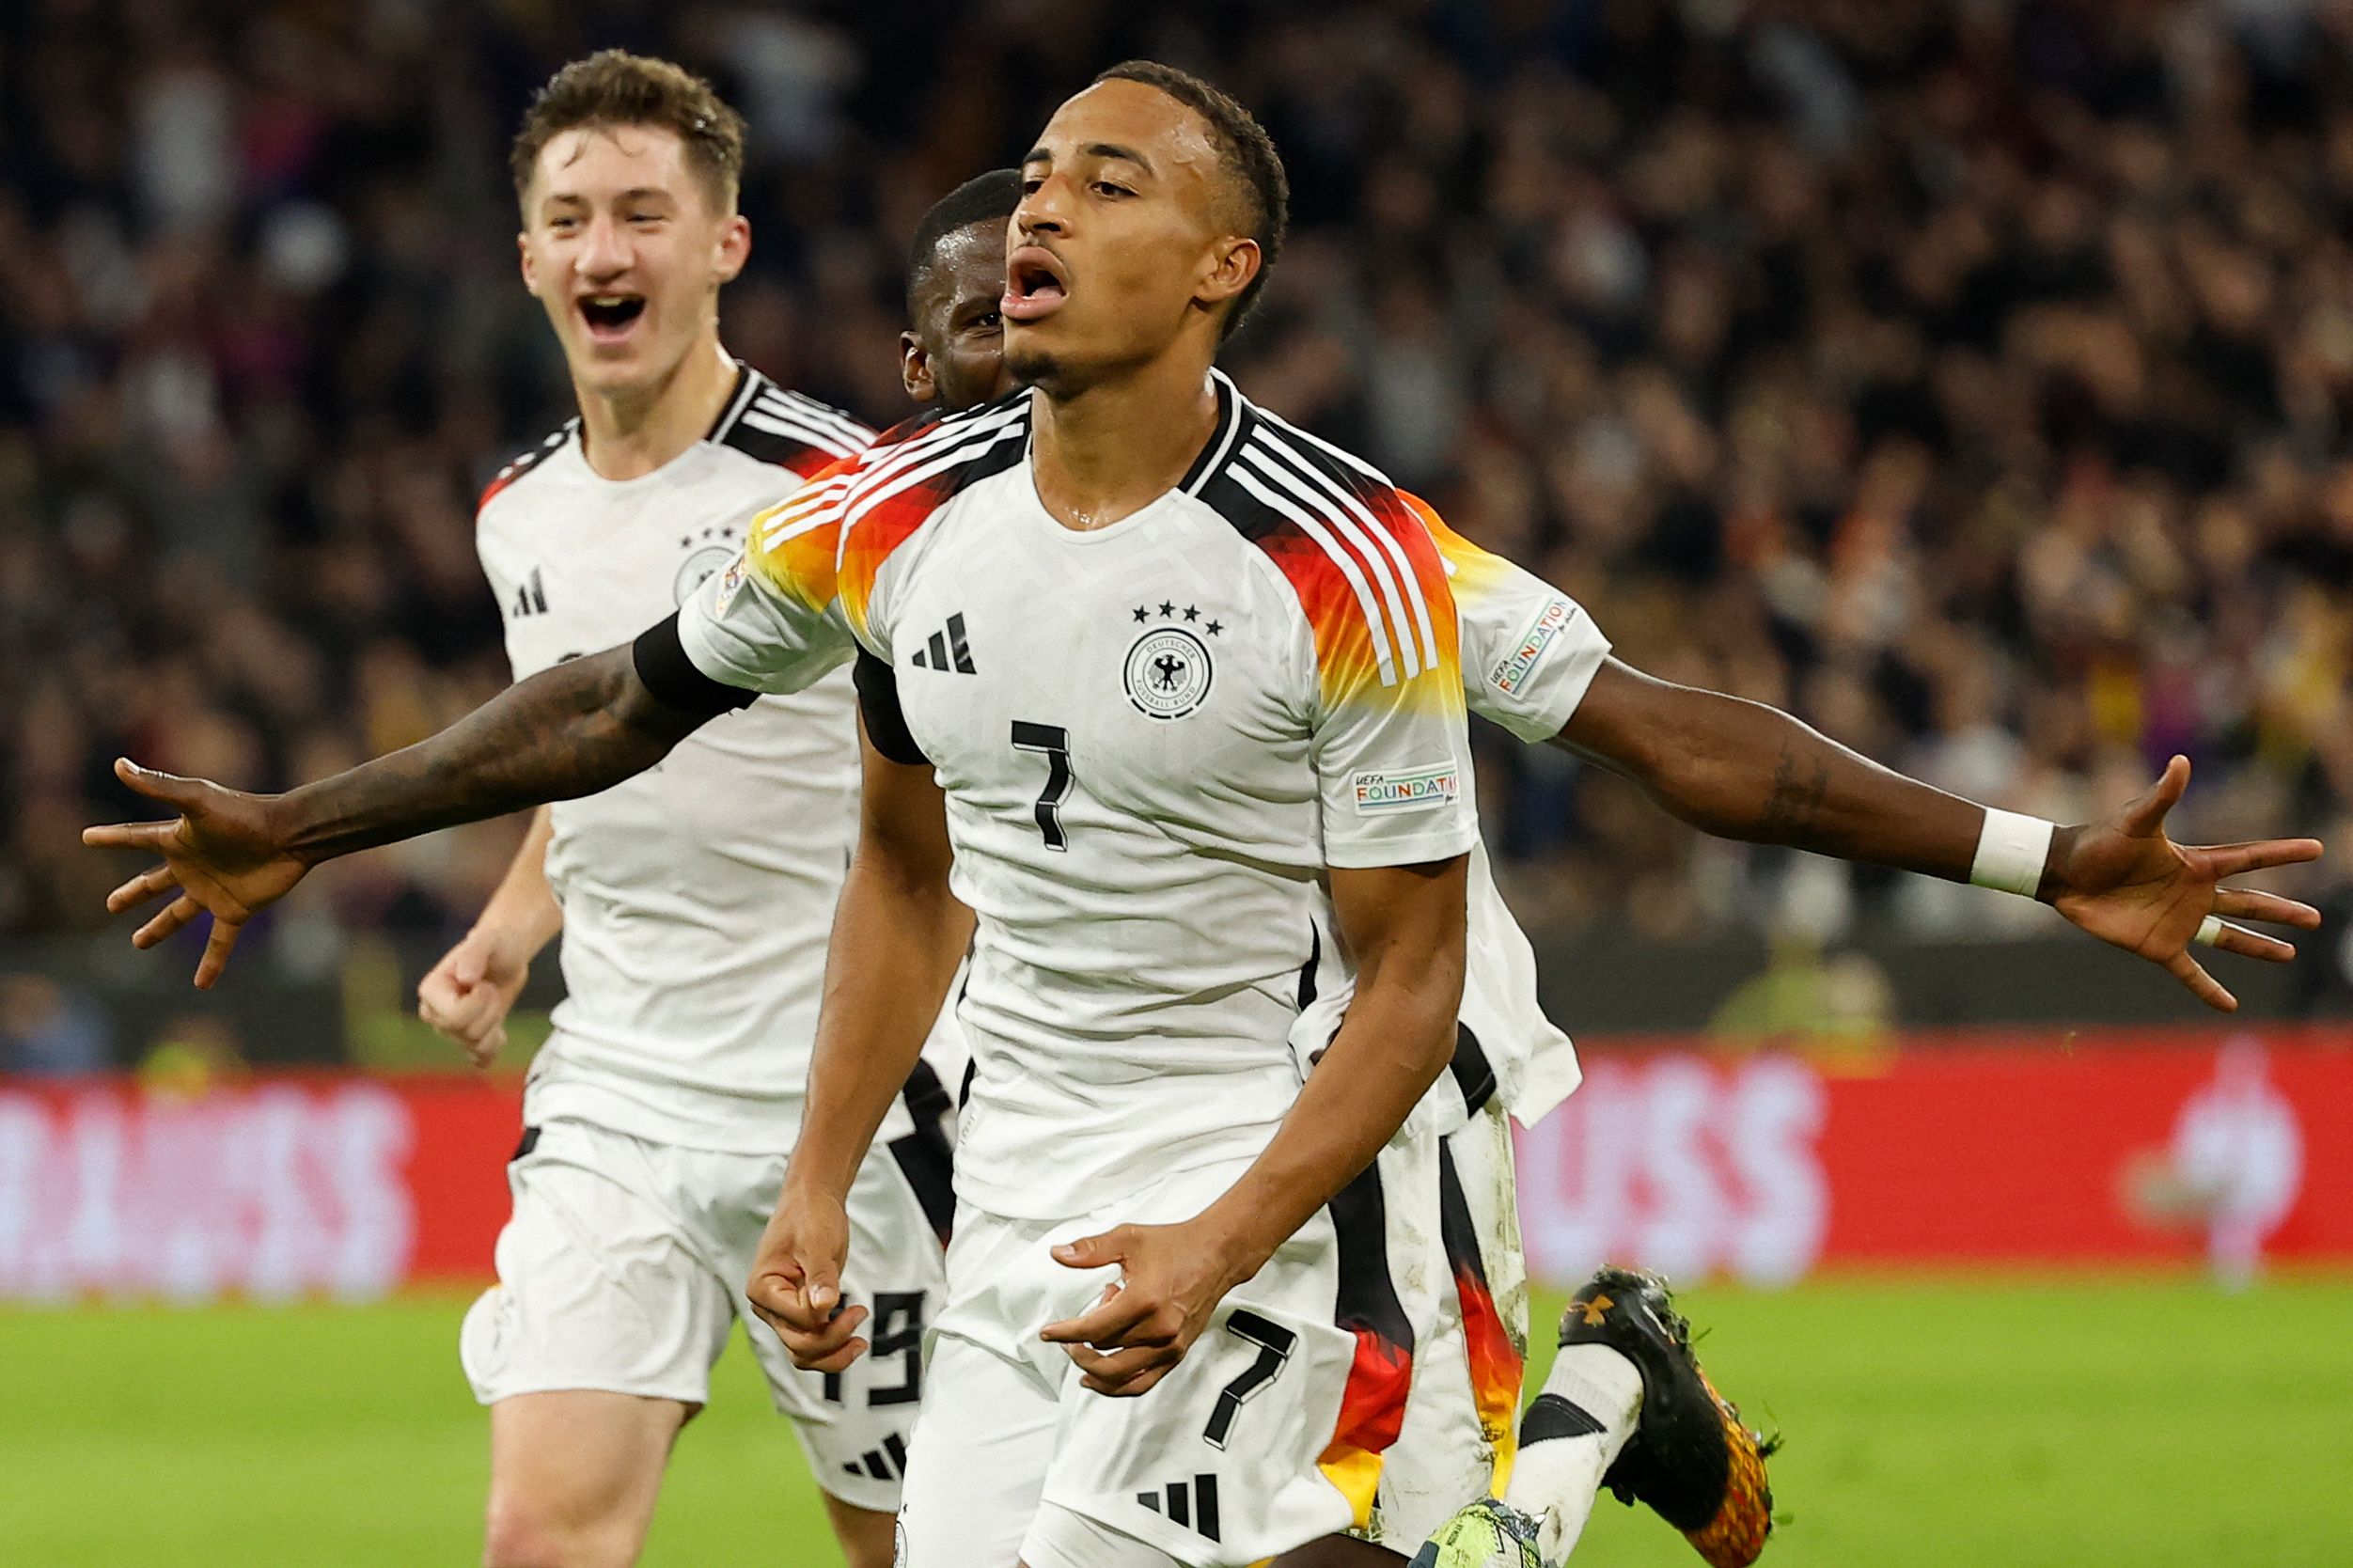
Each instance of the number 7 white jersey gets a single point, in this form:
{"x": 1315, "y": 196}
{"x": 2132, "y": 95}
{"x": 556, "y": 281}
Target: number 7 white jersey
{"x": 1153, "y": 736}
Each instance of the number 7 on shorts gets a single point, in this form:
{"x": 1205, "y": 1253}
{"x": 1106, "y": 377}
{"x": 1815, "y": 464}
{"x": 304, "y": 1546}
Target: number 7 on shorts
{"x": 1274, "y": 1343}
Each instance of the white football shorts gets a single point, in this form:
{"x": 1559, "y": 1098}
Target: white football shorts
{"x": 624, "y": 1265}
{"x": 1468, "y": 1302}
{"x": 1263, "y": 1438}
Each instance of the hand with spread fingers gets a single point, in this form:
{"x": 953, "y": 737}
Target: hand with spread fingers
{"x": 2128, "y": 883}
{"x": 1171, "y": 1278}
{"x": 221, "y": 855}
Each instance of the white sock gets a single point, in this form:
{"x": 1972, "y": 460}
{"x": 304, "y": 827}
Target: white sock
{"x": 1556, "y": 1478}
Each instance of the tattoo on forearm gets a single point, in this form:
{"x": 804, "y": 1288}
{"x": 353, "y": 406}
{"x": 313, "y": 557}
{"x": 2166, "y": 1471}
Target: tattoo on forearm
{"x": 568, "y": 731}
{"x": 1795, "y": 800}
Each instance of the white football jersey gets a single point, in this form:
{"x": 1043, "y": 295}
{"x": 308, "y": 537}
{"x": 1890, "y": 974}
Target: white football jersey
{"x": 1153, "y": 736}
{"x": 1529, "y": 653}
{"x": 697, "y": 896}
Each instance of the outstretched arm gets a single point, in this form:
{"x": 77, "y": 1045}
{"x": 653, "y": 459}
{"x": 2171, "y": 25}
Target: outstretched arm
{"x": 1741, "y": 770}
{"x": 581, "y": 727}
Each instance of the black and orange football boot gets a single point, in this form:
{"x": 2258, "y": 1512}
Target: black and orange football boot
{"x": 1690, "y": 1459}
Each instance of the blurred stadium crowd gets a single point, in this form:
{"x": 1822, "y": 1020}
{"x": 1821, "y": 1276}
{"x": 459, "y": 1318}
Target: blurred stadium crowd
{"x": 1973, "y": 379}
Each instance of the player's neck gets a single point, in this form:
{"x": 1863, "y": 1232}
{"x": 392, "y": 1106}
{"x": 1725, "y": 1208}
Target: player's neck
{"x": 1111, "y": 449}
{"x": 627, "y": 435}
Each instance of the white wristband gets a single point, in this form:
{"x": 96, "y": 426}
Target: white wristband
{"x": 2011, "y": 852}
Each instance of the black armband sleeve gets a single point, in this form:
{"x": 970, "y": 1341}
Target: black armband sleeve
{"x": 878, "y": 701}
{"x": 666, "y": 673}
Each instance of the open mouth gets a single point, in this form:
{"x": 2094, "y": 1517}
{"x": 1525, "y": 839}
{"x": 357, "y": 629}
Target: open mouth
{"x": 611, "y": 316}
{"x": 1035, "y": 284}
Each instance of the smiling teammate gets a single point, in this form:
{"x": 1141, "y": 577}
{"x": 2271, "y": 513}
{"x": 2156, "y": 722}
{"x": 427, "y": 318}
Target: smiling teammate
{"x": 694, "y": 902}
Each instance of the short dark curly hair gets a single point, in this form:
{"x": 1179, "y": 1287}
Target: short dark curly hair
{"x": 614, "y": 87}
{"x": 988, "y": 197}
{"x": 1248, "y": 153}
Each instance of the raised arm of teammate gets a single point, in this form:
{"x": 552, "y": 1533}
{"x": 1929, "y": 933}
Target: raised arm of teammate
{"x": 468, "y": 994}
{"x": 870, "y": 1029}
{"x": 1405, "y": 925}
{"x": 1741, "y": 770}
{"x": 580, "y": 727}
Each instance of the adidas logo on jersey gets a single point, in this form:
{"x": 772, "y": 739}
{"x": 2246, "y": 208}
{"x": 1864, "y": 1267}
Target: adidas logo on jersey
{"x": 530, "y": 599}
{"x": 947, "y": 650}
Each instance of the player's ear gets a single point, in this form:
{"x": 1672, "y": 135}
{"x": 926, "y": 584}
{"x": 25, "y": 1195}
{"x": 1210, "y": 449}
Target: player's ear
{"x": 915, "y": 369}
{"x": 1232, "y": 266}
{"x": 530, "y": 262}
{"x": 735, "y": 247}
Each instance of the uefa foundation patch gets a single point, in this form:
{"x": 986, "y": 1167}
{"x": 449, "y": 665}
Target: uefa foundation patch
{"x": 1511, "y": 672}
{"x": 1379, "y": 795}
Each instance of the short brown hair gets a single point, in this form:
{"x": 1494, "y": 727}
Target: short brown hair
{"x": 614, "y": 87}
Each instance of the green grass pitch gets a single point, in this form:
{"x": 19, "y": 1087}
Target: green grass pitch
{"x": 2003, "y": 1421}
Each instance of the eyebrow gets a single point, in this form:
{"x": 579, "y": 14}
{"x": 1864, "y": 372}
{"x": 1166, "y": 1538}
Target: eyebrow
{"x": 1040, "y": 154}
{"x": 636, "y": 192}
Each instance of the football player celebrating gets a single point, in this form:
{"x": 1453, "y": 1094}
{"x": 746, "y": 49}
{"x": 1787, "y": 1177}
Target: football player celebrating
{"x": 1629, "y": 1407}
{"x": 694, "y": 904}
{"x": 1424, "y": 1454}
{"x": 1206, "y": 689}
